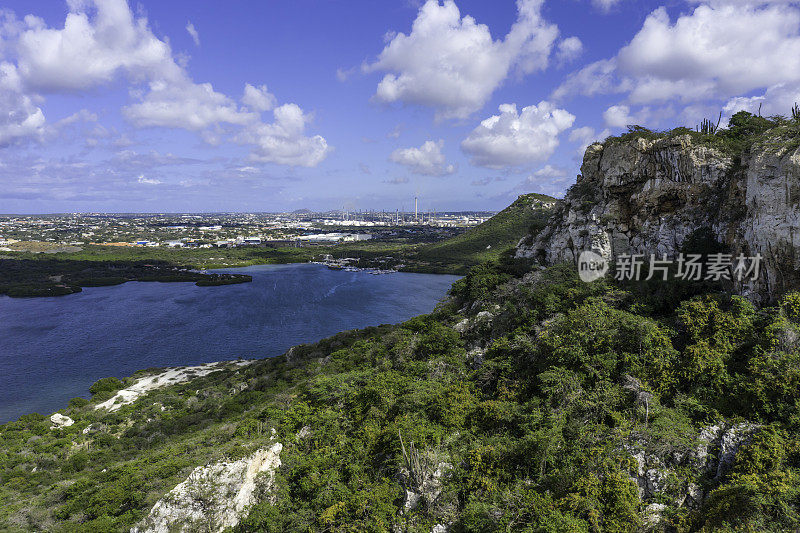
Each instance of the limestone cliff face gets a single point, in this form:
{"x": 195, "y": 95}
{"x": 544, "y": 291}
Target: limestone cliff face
{"x": 644, "y": 196}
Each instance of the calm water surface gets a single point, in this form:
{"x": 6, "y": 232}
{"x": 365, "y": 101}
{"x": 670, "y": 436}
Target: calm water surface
{"x": 52, "y": 349}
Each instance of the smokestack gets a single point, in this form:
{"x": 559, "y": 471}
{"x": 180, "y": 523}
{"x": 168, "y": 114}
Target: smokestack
{"x": 415, "y": 209}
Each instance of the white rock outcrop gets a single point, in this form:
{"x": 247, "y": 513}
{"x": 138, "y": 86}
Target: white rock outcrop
{"x": 656, "y": 473}
{"x": 60, "y": 421}
{"x": 425, "y": 485}
{"x": 94, "y": 428}
{"x": 214, "y": 496}
{"x": 170, "y": 376}
{"x": 462, "y": 326}
{"x": 729, "y": 444}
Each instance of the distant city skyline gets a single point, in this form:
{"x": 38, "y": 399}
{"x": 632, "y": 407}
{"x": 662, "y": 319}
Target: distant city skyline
{"x": 204, "y": 106}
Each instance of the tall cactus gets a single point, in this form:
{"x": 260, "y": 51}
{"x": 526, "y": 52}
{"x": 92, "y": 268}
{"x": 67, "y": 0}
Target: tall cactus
{"x": 709, "y": 128}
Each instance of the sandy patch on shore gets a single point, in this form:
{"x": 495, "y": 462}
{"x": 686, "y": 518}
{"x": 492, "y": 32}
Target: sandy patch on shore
{"x": 168, "y": 377}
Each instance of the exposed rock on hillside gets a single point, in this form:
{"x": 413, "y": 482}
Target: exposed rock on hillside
{"x": 170, "y": 376}
{"x": 714, "y": 455}
{"x": 647, "y": 196}
{"x": 60, "y": 421}
{"x": 215, "y": 496}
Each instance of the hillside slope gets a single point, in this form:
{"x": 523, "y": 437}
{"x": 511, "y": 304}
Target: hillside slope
{"x": 487, "y": 241}
{"x": 532, "y": 403}
{"x": 455, "y": 255}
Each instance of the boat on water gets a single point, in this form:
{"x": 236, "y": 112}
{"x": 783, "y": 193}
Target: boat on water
{"x": 333, "y": 265}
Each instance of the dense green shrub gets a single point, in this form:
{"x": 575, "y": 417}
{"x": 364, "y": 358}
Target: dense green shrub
{"x": 790, "y": 304}
{"x": 479, "y": 282}
{"x": 78, "y": 402}
{"x": 105, "y": 385}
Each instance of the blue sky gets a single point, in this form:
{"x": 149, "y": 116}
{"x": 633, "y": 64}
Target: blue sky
{"x": 266, "y": 106}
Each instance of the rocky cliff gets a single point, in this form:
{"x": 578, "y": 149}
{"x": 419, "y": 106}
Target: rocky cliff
{"x": 647, "y": 194}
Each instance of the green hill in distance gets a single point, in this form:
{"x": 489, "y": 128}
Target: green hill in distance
{"x": 487, "y": 241}
{"x": 456, "y": 255}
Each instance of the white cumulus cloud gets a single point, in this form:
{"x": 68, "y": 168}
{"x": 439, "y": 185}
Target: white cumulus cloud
{"x": 549, "y": 179}
{"x": 258, "y": 98}
{"x": 193, "y": 33}
{"x": 453, "y": 64}
{"x": 99, "y": 39}
{"x": 20, "y": 117}
{"x": 514, "y": 139}
{"x": 586, "y": 135}
{"x": 598, "y": 77}
{"x": 185, "y": 105}
{"x": 569, "y": 49}
{"x": 719, "y": 51}
{"x": 427, "y": 160}
{"x": 284, "y": 141}
{"x": 102, "y": 41}
{"x": 776, "y": 100}
{"x": 620, "y": 116}
{"x": 715, "y": 50}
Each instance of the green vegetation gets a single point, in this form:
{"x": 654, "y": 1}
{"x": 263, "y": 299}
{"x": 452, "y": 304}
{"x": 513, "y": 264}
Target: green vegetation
{"x": 527, "y": 401}
{"x": 183, "y": 257}
{"x": 744, "y": 131}
{"x": 486, "y": 242}
{"x": 456, "y": 255}
{"x": 46, "y": 276}
{"x": 529, "y": 391}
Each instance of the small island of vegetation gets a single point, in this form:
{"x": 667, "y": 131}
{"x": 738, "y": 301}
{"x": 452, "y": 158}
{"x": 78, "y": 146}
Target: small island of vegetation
{"x": 49, "y": 276}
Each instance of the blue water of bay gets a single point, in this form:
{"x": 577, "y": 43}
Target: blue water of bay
{"x": 53, "y": 349}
